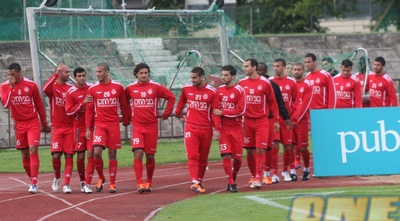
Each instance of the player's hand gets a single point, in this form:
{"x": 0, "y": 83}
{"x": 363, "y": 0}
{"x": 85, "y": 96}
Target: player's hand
{"x": 288, "y": 124}
{"x": 11, "y": 81}
{"x": 46, "y": 128}
{"x": 88, "y": 98}
{"x": 183, "y": 119}
{"x": 88, "y": 133}
{"x": 216, "y": 135}
{"x": 217, "y": 112}
{"x": 276, "y": 126}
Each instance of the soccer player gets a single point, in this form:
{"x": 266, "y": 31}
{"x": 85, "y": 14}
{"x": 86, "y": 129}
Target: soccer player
{"x": 300, "y": 119}
{"x": 272, "y": 153}
{"x": 260, "y": 100}
{"x": 61, "y": 140}
{"x": 108, "y": 97}
{"x": 288, "y": 89}
{"x": 348, "y": 87}
{"x": 200, "y": 99}
{"x": 233, "y": 105}
{"x": 145, "y": 95}
{"x": 22, "y": 97}
{"x": 75, "y": 106}
{"x": 362, "y": 75}
{"x": 380, "y": 85}
{"x": 322, "y": 83}
{"x": 329, "y": 66}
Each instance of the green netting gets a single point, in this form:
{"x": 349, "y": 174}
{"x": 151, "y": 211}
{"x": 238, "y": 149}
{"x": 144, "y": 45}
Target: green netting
{"x": 171, "y": 42}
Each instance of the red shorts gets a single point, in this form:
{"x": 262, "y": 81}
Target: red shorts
{"x": 231, "y": 142}
{"x": 145, "y": 137}
{"x": 27, "y": 133}
{"x": 256, "y": 132}
{"x": 107, "y": 135}
{"x": 80, "y": 141}
{"x": 300, "y": 134}
{"x": 285, "y": 134}
{"x": 197, "y": 141}
{"x": 273, "y": 135}
{"x": 62, "y": 140}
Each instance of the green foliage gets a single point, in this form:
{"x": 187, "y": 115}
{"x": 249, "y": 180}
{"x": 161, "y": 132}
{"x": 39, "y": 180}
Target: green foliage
{"x": 392, "y": 17}
{"x": 166, "y": 4}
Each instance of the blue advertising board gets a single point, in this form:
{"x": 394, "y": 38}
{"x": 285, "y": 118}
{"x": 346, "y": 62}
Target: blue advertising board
{"x": 357, "y": 141}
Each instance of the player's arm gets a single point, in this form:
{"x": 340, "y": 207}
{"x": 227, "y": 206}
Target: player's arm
{"x": 240, "y": 105}
{"x": 170, "y": 97}
{"x": 392, "y": 94}
{"x": 181, "y": 104}
{"x": 5, "y": 95}
{"x": 48, "y": 86}
{"x": 357, "y": 94}
{"x": 124, "y": 106}
{"x": 40, "y": 107}
{"x": 71, "y": 106}
{"x": 216, "y": 120}
{"x": 279, "y": 100}
{"x": 330, "y": 88}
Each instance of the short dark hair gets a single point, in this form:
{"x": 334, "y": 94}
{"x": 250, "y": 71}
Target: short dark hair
{"x": 78, "y": 70}
{"x": 299, "y": 64}
{"x": 347, "y": 63}
{"x": 281, "y": 60}
{"x": 198, "y": 70}
{"x": 232, "y": 70}
{"x": 253, "y": 62}
{"x": 312, "y": 56}
{"x": 381, "y": 60}
{"x": 140, "y": 66}
{"x": 104, "y": 65}
{"x": 14, "y": 66}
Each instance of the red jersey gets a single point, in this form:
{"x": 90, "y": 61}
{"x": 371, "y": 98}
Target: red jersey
{"x": 145, "y": 98}
{"x": 323, "y": 89}
{"x": 260, "y": 98}
{"x": 23, "y": 100}
{"x": 301, "y": 108}
{"x": 233, "y": 106}
{"x": 107, "y": 99}
{"x": 348, "y": 91}
{"x": 361, "y": 78}
{"x": 288, "y": 88}
{"x": 57, "y": 94}
{"x": 200, "y": 103}
{"x": 75, "y": 106}
{"x": 381, "y": 91}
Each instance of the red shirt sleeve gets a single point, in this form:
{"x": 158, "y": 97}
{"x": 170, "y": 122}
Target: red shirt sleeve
{"x": 330, "y": 88}
{"x": 216, "y": 119}
{"x": 358, "y": 95}
{"x": 273, "y": 105}
{"x": 125, "y": 108}
{"x": 5, "y": 94}
{"x": 181, "y": 103}
{"x": 39, "y": 104}
{"x": 170, "y": 97}
{"x": 89, "y": 112}
{"x": 48, "y": 86}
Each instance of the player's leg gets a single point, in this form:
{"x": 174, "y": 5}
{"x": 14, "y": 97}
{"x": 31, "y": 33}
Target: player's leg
{"x": 113, "y": 144}
{"x": 150, "y": 143}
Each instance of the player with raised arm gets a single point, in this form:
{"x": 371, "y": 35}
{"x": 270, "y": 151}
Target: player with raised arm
{"x": 300, "y": 119}
{"x": 233, "y": 105}
{"x": 61, "y": 139}
{"x": 75, "y": 106}
{"x": 145, "y": 95}
{"x": 22, "y": 97}
{"x": 260, "y": 99}
{"x": 348, "y": 87}
{"x": 108, "y": 98}
{"x": 380, "y": 86}
{"x": 200, "y": 99}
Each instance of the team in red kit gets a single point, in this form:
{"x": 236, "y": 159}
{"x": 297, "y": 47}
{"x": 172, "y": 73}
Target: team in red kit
{"x": 241, "y": 114}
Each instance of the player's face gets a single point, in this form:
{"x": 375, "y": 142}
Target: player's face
{"x": 298, "y": 71}
{"x": 279, "y": 69}
{"x": 378, "y": 67}
{"x": 346, "y": 71}
{"x": 248, "y": 69}
{"x": 80, "y": 78}
{"x": 63, "y": 72}
{"x": 227, "y": 78}
{"x": 310, "y": 64}
{"x": 289, "y": 70}
{"x": 14, "y": 75}
{"x": 143, "y": 75}
{"x": 326, "y": 65}
{"x": 262, "y": 69}
{"x": 196, "y": 80}
{"x": 101, "y": 74}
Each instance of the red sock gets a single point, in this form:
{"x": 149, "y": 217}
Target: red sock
{"x": 237, "y": 163}
{"x": 80, "y": 164}
{"x": 69, "y": 165}
{"x": 113, "y": 166}
{"x": 227, "y": 165}
{"x": 150, "y": 165}
{"x": 193, "y": 167}
{"x": 201, "y": 170}
{"x": 89, "y": 170}
{"x": 268, "y": 157}
{"x": 306, "y": 157}
{"x": 291, "y": 159}
{"x": 26, "y": 163}
{"x": 251, "y": 163}
{"x": 297, "y": 154}
{"x": 260, "y": 160}
{"x": 99, "y": 165}
{"x": 57, "y": 167}
{"x": 286, "y": 157}
{"x": 138, "y": 168}
{"x": 34, "y": 167}
{"x": 274, "y": 160}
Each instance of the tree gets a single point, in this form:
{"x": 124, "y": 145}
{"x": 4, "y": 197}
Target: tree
{"x": 389, "y": 16}
{"x": 166, "y": 4}
{"x": 291, "y": 16}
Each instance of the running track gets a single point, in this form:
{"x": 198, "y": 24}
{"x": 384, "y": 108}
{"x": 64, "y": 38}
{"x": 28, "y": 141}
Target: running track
{"x": 170, "y": 184}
